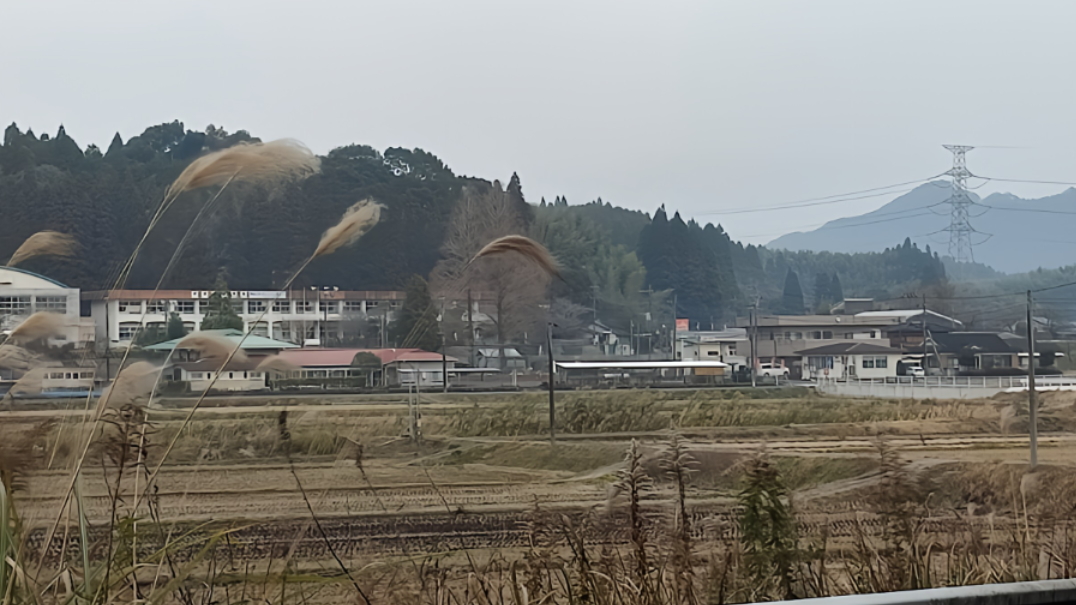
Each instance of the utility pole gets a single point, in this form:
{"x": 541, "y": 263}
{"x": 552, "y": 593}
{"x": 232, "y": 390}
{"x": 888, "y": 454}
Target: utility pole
{"x": 674, "y": 328}
{"x": 754, "y": 340}
{"x": 1032, "y": 404}
{"x": 444, "y": 352}
{"x": 470, "y": 324}
{"x": 960, "y": 229}
{"x": 552, "y": 392}
{"x": 923, "y": 320}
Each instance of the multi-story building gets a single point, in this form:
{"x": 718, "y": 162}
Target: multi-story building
{"x": 781, "y": 338}
{"x": 299, "y": 316}
{"x": 23, "y": 293}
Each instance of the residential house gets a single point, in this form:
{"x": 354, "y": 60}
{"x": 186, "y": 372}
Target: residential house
{"x": 187, "y": 365}
{"x": 729, "y": 346}
{"x": 849, "y": 360}
{"x": 781, "y": 337}
{"x": 958, "y": 352}
{"x": 398, "y": 367}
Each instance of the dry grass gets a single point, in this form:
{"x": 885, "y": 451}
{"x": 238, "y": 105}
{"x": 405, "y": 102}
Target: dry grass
{"x": 523, "y": 246}
{"x": 42, "y": 324}
{"x": 259, "y": 162}
{"x": 44, "y": 243}
{"x": 355, "y": 223}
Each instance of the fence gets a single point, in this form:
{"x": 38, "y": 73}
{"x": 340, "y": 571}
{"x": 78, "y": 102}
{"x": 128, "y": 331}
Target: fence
{"x": 940, "y": 387}
{"x": 1058, "y": 592}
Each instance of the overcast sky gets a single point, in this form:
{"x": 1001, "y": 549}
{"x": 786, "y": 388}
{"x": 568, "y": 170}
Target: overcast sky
{"x": 702, "y": 106}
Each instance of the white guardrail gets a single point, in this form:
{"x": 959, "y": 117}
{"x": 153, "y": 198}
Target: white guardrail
{"x": 1058, "y": 592}
{"x": 941, "y": 387}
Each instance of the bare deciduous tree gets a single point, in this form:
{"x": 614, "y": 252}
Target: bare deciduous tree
{"x": 514, "y": 286}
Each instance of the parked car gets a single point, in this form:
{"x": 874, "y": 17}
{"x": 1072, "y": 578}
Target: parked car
{"x": 770, "y": 369}
{"x": 914, "y": 371}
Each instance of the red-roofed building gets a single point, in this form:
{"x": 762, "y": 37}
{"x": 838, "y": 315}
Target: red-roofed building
{"x": 398, "y": 367}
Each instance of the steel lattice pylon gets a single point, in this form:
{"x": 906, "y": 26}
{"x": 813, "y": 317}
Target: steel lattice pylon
{"x": 960, "y": 229}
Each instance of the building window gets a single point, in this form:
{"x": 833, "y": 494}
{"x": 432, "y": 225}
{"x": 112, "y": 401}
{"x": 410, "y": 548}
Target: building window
{"x": 183, "y": 307}
{"x": 237, "y": 307}
{"x": 352, "y": 306}
{"x": 130, "y": 306}
{"x": 283, "y": 330}
{"x": 304, "y": 306}
{"x": 329, "y": 307}
{"x": 255, "y": 306}
{"x": 255, "y": 374}
{"x": 875, "y": 362}
{"x": 128, "y": 330}
{"x": 281, "y": 306}
{"x": 260, "y": 328}
{"x": 14, "y": 305}
{"x": 156, "y": 306}
{"x": 820, "y": 362}
{"x": 56, "y": 304}
{"x": 732, "y": 349}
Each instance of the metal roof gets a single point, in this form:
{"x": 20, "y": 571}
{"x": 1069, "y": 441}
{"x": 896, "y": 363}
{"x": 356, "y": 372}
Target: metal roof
{"x": 32, "y": 274}
{"x": 850, "y": 348}
{"x": 250, "y": 343}
{"x": 638, "y": 365}
{"x": 326, "y": 358}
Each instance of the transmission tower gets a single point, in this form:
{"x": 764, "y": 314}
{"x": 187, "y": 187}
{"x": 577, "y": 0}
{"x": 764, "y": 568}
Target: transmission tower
{"x": 960, "y": 229}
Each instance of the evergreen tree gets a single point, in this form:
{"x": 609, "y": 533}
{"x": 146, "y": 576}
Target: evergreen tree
{"x": 792, "y": 295}
{"x": 515, "y": 194}
{"x": 175, "y": 327}
{"x": 220, "y": 315}
{"x": 416, "y": 326}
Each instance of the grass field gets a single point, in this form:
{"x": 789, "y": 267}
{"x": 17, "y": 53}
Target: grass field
{"x": 666, "y": 492}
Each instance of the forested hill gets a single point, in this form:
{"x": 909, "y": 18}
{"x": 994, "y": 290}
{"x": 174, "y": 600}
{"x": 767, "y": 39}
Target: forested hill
{"x": 256, "y": 236}
{"x": 624, "y": 263}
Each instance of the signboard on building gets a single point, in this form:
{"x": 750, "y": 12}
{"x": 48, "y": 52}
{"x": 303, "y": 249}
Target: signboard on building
{"x": 274, "y": 294}
{"x": 683, "y": 325}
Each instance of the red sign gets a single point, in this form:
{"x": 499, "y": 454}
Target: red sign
{"x": 683, "y": 325}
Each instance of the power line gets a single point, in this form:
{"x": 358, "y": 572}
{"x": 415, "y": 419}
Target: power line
{"x": 829, "y": 199}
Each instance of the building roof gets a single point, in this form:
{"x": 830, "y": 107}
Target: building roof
{"x": 850, "y": 348}
{"x": 980, "y": 342}
{"x": 905, "y": 315}
{"x": 639, "y": 365}
{"x": 213, "y": 365}
{"x": 299, "y": 294}
{"x": 50, "y": 281}
{"x": 821, "y": 321}
{"x": 251, "y": 343}
{"x": 510, "y": 352}
{"x": 312, "y": 357}
{"x": 703, "y": 337}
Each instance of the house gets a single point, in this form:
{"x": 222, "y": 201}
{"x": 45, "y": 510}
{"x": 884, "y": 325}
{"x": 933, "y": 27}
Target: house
{"x": 907, "y": 325}
{"x": 607, "y": 340}
{"x": 23, "y": 293}
{"x": 203, "y": 374}
{"x": 186, "y": 365}
{"x": 849, "y": 360}
{"x": 729, "y": 346}
{"x": 252, "y": 345}
{"x": 958, "y": 352}
{"x": 395, "y": 367}
{"x": 294, "y": 315}
{"x": 490, "y": 357}
{"x": 781, "y": 337}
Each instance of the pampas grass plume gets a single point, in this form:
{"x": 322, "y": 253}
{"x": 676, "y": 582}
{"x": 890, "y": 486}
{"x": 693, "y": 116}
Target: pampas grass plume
{"x": 132, "y": 384}
{"x": 212, "y": 346}
{"x": 44, "y": 243}
{"x": 358, "y": 220}
{"x": 524, "y": 246}
{"x": 16, "y": 358}
{"x": 277, "y": 364}
{"x": 261, "y": 162}
{"x": 42, "y": 324}
{"x": 30, "y": 382}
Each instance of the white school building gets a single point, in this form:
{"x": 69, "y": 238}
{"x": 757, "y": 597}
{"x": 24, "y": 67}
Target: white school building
{"x": 298, "y": 316}
{"x": 23, "y": 293}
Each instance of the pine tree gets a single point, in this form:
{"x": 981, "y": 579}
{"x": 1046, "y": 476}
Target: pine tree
{"x": 416, "y": 326}
{"x": 792, "y": 295}
{"x": 175, "y": 327}
{"x": 220, "y": 315}
{"x": 515, "y": 194}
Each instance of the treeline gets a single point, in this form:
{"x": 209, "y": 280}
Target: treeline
{"x": 622, "y": 266}
{"x": 254, "y": 237}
